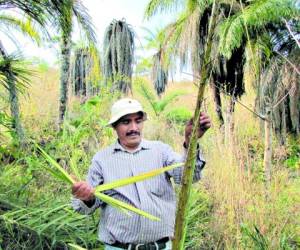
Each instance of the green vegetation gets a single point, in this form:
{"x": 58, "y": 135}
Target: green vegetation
{"x": 248, "y": 197}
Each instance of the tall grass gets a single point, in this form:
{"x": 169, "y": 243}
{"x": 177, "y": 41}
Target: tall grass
{"x": 229, "y": 208}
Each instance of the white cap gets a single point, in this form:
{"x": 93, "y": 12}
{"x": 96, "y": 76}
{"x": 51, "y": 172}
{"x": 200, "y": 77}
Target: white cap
{"x": 124, "y": 107}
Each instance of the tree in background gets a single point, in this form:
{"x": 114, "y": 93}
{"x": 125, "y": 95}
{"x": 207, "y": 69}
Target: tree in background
{"x": 64, "y": 13}
{"x": 186, "y": 39}
{"x": 13, "y": 73}
{"x": 160, "y": 61}
{"x": 118, "y": 52}
{"x": 85, "y": 72}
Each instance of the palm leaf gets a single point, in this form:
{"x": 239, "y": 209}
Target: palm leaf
{"x": 134, "y": 179}
{"x": 85, "y": 21}
{"x": 121, "y": 204}
{"x": 26, "y": 27}
{"x": 256, "y": 16}
{"x": 158, "y": 6}
{"x": 13, "y": 67}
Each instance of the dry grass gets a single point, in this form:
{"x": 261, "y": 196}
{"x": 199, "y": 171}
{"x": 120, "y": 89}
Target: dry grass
{"x": 233, "y": 175}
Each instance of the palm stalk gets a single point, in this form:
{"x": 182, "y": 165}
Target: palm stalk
{"x": 65, "y": 60}
{"x": 181, "y": 221}
{"x": 58, "y": 172}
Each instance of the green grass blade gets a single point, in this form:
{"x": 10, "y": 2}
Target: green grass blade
{"x": 67, "y": 177}
{"x": 130, "y": 180}
{"x": 56, "y": 174}
{"x": 74, "y": 167}
{"x": 76, "y": 247}
{"x": 124, "y": 205}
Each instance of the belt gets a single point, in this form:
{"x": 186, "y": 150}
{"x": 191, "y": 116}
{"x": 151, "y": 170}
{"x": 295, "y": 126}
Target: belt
{"x": 157, "y": 245}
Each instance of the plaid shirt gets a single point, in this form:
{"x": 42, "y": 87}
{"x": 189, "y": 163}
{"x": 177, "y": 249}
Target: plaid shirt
{"x": 155, "y": 196}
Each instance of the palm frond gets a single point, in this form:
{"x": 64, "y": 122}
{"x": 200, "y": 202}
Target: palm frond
{"x": 137, "y": 178}
{"x": 85, "y": 21}
{"x": 256, "y": 15}
{"x": 158, "y": 6}
{"x": 31, "y": 8}
{"x": 159, "y": 74}
{"x": 168, "y": 99}
{"x": 5, "y": 120}
{"x": 13, "y": 67}
{"x": 118, "y": 49}
{"x": 26, "y": 27}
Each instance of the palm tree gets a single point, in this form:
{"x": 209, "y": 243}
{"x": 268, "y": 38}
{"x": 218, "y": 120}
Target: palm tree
{"x": 85, "y": 71}
{"x": 189, "y": 20}
{"x": 14, "y": 79}
{"x": 63, "y": 14}
{"x": 13, "y": 73}
{"x": 160, "y": 60}
{"x": 187, "y": 37}
{"x": 118, "y": 55}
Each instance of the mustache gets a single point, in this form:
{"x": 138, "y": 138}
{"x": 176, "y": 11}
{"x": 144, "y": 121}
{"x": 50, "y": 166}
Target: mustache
{"x": 133, "y": 133}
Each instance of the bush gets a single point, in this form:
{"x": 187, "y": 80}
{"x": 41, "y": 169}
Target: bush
{"x": 179, "y": 115}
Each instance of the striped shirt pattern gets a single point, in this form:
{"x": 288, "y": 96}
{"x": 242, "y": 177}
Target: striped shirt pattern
{"x": 155, "y": 196}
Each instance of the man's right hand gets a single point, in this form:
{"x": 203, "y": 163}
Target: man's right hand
{"x": 83, "y": 191}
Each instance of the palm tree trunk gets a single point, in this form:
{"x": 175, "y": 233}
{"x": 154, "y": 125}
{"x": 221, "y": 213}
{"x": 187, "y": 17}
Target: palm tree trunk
{"x": 64, "y": 74}
{"x": 14, "y": 109}
{"x": 181, "y": 222}
{"x": 14, "y": 102}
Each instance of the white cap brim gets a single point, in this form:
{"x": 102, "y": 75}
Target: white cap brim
{"x": 129, "y": 111}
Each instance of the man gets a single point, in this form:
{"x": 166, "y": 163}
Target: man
{"x": 129, "y": 156}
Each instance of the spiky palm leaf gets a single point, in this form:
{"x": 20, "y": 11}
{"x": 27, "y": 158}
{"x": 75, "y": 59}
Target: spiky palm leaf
{"x": 14, "y": 67}
{"x": 8, "y": 22}
{"x": 118, "y": 49}
{"x": 256, "y": 16}
{"x": 158, "y": 105}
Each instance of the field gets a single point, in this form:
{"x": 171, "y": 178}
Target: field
{"x": 231, "y": 208}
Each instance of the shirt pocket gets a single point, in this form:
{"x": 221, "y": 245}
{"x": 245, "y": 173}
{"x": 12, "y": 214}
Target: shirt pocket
{"x": 160, "y": 186}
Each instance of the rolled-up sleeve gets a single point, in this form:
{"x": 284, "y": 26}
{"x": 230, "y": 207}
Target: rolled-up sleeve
{"x": 170, "y": 157}
{"x": 94, "y": 178}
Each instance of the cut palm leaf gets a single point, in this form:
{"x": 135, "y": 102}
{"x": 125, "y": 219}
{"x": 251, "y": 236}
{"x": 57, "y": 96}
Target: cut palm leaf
{"x": 63, "y": 175}
{"x": 121, "y": 204}
{"x": 134, "y": 179}
{"x": 76, "y": 247}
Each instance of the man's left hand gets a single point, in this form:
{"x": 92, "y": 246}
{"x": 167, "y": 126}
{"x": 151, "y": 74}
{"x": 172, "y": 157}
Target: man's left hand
{"x": 205, "y": 124}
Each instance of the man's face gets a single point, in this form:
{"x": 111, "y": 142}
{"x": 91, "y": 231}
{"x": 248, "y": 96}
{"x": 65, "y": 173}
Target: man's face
{"x": 129, "y": 130}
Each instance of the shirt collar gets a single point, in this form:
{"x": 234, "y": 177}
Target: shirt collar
{"x": 143, "y": 146}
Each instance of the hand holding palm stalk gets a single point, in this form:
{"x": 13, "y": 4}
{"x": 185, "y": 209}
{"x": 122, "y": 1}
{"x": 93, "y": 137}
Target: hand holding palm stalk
{"x": 85, "y": 192}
